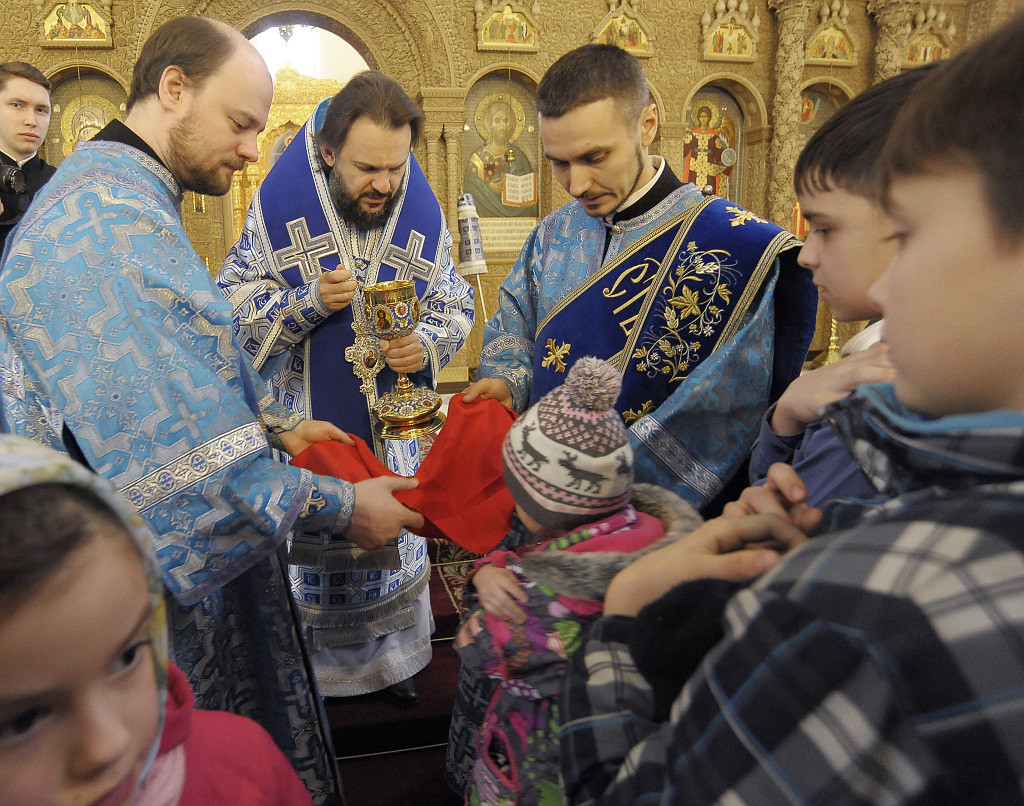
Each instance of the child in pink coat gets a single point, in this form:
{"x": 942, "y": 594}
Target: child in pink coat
{"x": 569, "y": 466}
{"x": 91, "y": 712}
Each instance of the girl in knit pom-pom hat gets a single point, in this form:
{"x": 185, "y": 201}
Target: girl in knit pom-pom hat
{"x": 569, "y": 467}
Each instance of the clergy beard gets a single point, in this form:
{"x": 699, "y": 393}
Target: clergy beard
{"x": 185, "y": 148}
{"x": 639, "y": 171}
{"x": 350, "y": 211}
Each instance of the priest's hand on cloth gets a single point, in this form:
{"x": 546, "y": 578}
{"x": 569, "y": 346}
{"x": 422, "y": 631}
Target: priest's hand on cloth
{"x": 378, "y": 516}
{"x": 336, "y": 288}
{"x": 489, "y": 389}
{"x": 733, "y": 549}
{"x": 405, "y": 354}
{"x": 462, "y": 494}
{"x": 308, "y": 432}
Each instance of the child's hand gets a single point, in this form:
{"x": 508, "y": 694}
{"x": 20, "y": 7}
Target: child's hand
{"x": 498, "y": 591}
{"x": 736, "y": 549}
{"x": 804, "y": 397}
{"x": 489, "y": 388}
{"x": 783, "y": 493}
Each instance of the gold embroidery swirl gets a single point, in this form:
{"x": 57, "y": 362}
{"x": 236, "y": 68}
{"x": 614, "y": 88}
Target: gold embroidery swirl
{"x": 741, "y": 217}
{"x": 631, "y": 416}
{"x": 692, "y": 312}
{"x": 556, "y": 355}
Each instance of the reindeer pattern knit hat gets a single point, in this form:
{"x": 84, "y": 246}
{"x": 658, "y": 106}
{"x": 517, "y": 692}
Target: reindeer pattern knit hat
{"x": 567, "y": 460}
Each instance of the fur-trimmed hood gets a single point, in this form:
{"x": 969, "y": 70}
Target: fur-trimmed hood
{"x": 587, "y": 576}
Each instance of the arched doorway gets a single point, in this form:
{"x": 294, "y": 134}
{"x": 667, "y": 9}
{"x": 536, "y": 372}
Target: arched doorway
{"x": 308, "y": 63}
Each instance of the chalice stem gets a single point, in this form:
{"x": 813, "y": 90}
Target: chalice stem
{"x": 403, "y": 386}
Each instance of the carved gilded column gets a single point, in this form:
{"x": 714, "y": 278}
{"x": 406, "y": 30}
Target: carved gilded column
{"x": 435, "y": 167}
{"x": 789, "y": 67}
{"x": 893, "y": 20}
{"x": 457, "y": 371}
{"x": 453, "y": 145}
{"x": 443, "y": 107}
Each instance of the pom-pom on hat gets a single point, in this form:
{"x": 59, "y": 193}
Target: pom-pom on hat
{"x": 567, "y": 460}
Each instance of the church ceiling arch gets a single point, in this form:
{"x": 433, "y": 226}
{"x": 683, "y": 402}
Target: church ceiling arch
{"x": 78, "y": 66}
{"x": 412, "y": 43}
{"x": 656, "y": 99}
{"x": 840, "y": 91}
{"x": 819, "y": 100}
{"x": 83, "y": 101}
{"x": 284, "y": 18}
{"x": 497, "y": 69}
{"x": 154, "y": 15}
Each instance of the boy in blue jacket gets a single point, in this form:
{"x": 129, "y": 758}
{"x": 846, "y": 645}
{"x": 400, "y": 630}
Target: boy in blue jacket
{"x": 846, "y": 249}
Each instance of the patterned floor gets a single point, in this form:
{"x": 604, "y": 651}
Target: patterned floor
{"x": 451, "y": 564}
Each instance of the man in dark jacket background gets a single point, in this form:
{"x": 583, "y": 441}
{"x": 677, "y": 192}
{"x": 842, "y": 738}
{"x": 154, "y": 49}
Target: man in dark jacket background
{"x": 24, "y": 118}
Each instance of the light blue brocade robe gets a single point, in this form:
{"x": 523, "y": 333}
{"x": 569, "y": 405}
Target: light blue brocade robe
{"x": 111, "y": 323}
{"x": 694, "y": 441}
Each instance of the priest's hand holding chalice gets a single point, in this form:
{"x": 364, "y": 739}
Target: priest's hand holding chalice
{"x": 391, "y": 310}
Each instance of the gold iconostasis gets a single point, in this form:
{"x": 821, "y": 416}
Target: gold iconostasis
{"x": 740, "y": 85}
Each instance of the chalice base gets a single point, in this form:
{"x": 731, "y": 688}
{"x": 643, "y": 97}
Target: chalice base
{"x": 408, "y": 413}
{"x": 388, "y": 431}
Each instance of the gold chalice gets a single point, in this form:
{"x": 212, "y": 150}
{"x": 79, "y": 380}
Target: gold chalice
{"x": 391, "y": 311}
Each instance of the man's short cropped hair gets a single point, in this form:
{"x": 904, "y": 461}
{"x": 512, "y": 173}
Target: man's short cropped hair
{"x": 199, "y": 46}
{"x": 9, "y": 70}
{"x": 373, "y": 95}
{"x": 969, "y": 114}
{"x": 592, "y": 73}
{"x": 843, "y": 153}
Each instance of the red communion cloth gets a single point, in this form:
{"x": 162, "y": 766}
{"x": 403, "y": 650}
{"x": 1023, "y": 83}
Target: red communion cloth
{"x": 462, "y": 494}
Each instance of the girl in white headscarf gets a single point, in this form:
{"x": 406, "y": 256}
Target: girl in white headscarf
{"x": 91, "y": 712}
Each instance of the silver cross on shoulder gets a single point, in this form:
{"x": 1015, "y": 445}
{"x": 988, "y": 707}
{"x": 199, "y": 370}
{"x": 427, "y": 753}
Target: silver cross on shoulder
{"x": 305, "y": 252}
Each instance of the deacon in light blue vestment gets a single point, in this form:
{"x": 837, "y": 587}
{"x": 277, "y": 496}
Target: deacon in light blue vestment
{"x": 697, "y": 301}
{"x": 367, "y": 613}
{"x": 115, "y": 344}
